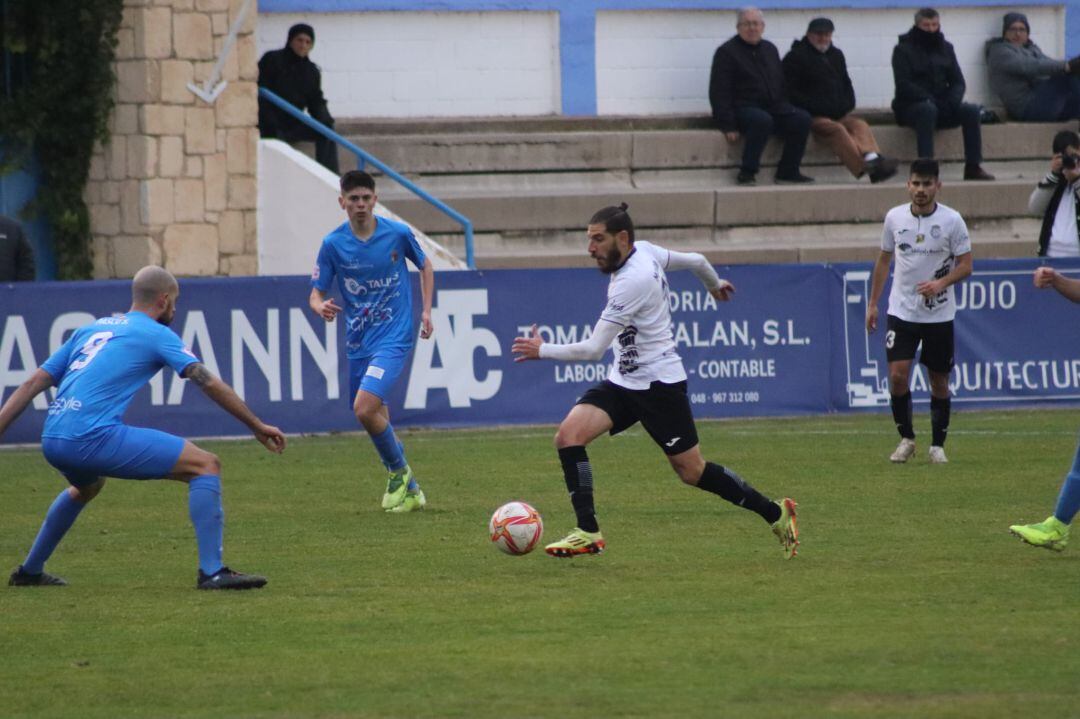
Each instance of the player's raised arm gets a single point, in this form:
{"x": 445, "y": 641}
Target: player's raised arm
{"x": 222, "y": 394}
{"x": 21, "y": 398}
{"x": 320, "y": 305}
{"x": 1044, "y": 277}
{"x": 532, "y": 346}
{"x": 698, "y": 264}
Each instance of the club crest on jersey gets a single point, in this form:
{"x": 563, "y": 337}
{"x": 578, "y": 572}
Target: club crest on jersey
{"x": 935, "y": 232}
{"x": 393, "y": 255}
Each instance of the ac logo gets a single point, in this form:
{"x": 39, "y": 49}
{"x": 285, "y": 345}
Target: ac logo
{"x": 457, "y": 341}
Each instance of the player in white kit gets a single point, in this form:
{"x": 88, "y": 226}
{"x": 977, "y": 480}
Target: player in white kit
{"x": 932, "y": 251}
{"x": 646, "y": 383}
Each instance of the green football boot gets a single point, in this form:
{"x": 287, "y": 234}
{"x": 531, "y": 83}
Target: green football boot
{"x": 786, "y": 528}
{"x": 413, "y": 502}
{"x": 577, "y": 542}
{"x": 1050, "y": 533}
{"x": 396, "y": 487}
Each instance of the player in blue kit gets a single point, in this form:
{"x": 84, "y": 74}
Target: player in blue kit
{"x": 97, "y": 372}
{"x": 366, "y": 255}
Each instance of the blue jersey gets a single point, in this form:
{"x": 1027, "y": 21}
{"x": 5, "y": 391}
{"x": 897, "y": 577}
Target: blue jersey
{"x": 373, "y": 282}
{"x": 102, "y": 365}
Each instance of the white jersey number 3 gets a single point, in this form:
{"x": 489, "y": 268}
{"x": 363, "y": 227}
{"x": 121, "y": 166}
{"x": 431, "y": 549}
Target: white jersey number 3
{"x": 93, "y": 345}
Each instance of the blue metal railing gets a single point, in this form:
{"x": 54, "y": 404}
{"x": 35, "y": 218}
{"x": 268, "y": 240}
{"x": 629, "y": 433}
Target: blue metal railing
{"x": 362, "y": 157}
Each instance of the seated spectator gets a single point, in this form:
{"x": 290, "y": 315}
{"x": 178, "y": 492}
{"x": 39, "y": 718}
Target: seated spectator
{"x": 16, "y": 255}
{"x": 1055, "y": 199}
{"x": 748, "y": 98}
{"x": 1032, "y": 86}
{"x": 930, "y": 91}
{"x": 818, "y": 81}
{"x": 289, "y": 74}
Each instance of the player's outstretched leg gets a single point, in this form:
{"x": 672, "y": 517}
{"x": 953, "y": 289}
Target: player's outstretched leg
{"x": 730, "y": 486}
{"x": 61, "y": 516}
{"x": 1053, "y": 532}
{"x": 208, "y": 518}
{"x": 586, "y": 537}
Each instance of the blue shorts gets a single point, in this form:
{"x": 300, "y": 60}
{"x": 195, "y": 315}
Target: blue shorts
{"x": 376, "y": 374}
{"x": 117, "y": 451}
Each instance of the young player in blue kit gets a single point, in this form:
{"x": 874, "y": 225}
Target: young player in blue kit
{"x": 97, "y": 371}
{"x": 367, "y": 256}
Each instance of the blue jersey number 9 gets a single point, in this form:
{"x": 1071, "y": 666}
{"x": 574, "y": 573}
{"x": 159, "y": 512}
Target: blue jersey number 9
{"x": 93, "y": 345}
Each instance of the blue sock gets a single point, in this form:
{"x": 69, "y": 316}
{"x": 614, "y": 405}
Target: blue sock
{"x": 58, "y": 521}
{"x": 204, "y": 507}
{"x": 1069, "y": 498}
{"x": 389, "y": 449}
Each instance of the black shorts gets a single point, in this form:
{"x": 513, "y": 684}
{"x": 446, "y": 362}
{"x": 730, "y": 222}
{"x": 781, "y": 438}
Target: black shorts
{"x": 663, "y": 410}
{"x": 903, "y": 339}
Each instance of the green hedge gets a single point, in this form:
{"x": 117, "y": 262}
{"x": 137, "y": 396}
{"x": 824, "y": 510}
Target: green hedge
{"x": 59, "y": 58}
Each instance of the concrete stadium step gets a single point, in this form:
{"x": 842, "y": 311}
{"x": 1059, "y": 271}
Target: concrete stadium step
{"x": 833, "y": 242}
{"x": 621, "y": 150}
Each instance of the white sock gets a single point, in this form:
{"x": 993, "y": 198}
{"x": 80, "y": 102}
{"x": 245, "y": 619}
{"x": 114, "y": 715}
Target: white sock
{"x": 870, "y": 156}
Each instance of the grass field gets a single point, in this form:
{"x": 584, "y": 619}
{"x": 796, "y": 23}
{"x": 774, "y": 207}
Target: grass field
{"x": 908, "y": 598}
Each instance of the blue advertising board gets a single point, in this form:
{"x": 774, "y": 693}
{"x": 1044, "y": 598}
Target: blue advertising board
{"x": 792, "y": 341}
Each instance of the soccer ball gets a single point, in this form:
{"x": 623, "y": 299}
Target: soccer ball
{"x": 516, "y": 528}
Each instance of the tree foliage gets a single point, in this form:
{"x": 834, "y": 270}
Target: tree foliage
{"x": 57, "y": 72}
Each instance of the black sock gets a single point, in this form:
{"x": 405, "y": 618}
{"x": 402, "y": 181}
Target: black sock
{"x": 578, "y": 474}
{"x": 901, "y": 414}
{"x": 940, "y": 409}
{"x": 734, "y": 489}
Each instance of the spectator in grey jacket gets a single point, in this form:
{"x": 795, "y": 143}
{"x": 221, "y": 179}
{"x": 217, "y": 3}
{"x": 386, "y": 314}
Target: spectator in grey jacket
{"x": 16, "y": 256}
{"x": 1055, "y": 198}
{"x": 1032, "y": 86}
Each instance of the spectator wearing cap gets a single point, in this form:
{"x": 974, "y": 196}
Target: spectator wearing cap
{"x": 748, "y": 98}
{"x": 291, "y": 75}
{"x": 818, "y": 81}
{"x": 930, "y": 91}
{"x": 1032, "y": 86}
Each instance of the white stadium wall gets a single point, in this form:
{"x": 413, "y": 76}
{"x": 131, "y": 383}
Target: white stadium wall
{"x": 650, "y": 63}
{"x": 445, "y": 64}
{"x": 423, "y": 64}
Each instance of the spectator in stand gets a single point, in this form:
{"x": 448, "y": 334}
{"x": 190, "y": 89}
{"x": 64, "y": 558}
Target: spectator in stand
{"x": 748, "y": 98}
{"x": 1055, "y": 198}
{"x": 1032, "y": 86}
{"x": 930, "y": 91}
{"x": 290, "y": 74}
{"x": 16, "y": 255}
{"x": 818, "y": 81}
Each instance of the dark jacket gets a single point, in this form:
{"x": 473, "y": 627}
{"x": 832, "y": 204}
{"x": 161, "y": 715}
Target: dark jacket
{"x": 746, "y": 75}
{"x": 297, "y": 80}
{"x": 16, "y": 256}
{"x": 925, "y": 68}
{"x": 1045, "y": 200}
{"x": 818, "y": 82}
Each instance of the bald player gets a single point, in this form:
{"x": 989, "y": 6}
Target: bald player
{"x": 97, "y": 372}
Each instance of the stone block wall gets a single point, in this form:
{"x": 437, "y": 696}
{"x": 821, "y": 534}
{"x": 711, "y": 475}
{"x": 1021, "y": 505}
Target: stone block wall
{"x": 175, "y": 183}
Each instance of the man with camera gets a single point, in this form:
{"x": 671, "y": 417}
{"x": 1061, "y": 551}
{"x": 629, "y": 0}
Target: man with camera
{"x": 1055, "y": 199}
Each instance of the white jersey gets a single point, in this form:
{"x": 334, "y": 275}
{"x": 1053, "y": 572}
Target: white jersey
{"x": 637, "y": 301}
{"x": 925, "y": 248}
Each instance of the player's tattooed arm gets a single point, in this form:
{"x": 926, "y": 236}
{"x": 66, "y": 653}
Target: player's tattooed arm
{"x": 197, "y": 373}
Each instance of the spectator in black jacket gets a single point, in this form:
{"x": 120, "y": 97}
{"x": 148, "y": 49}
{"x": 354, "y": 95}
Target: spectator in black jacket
{"x": 746, "y": 90}
{"x": 16, "y": 255}
{"x": 289, "y": 74}
{"x": 930, "y": 91}
{"x": 818, "y": 81}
